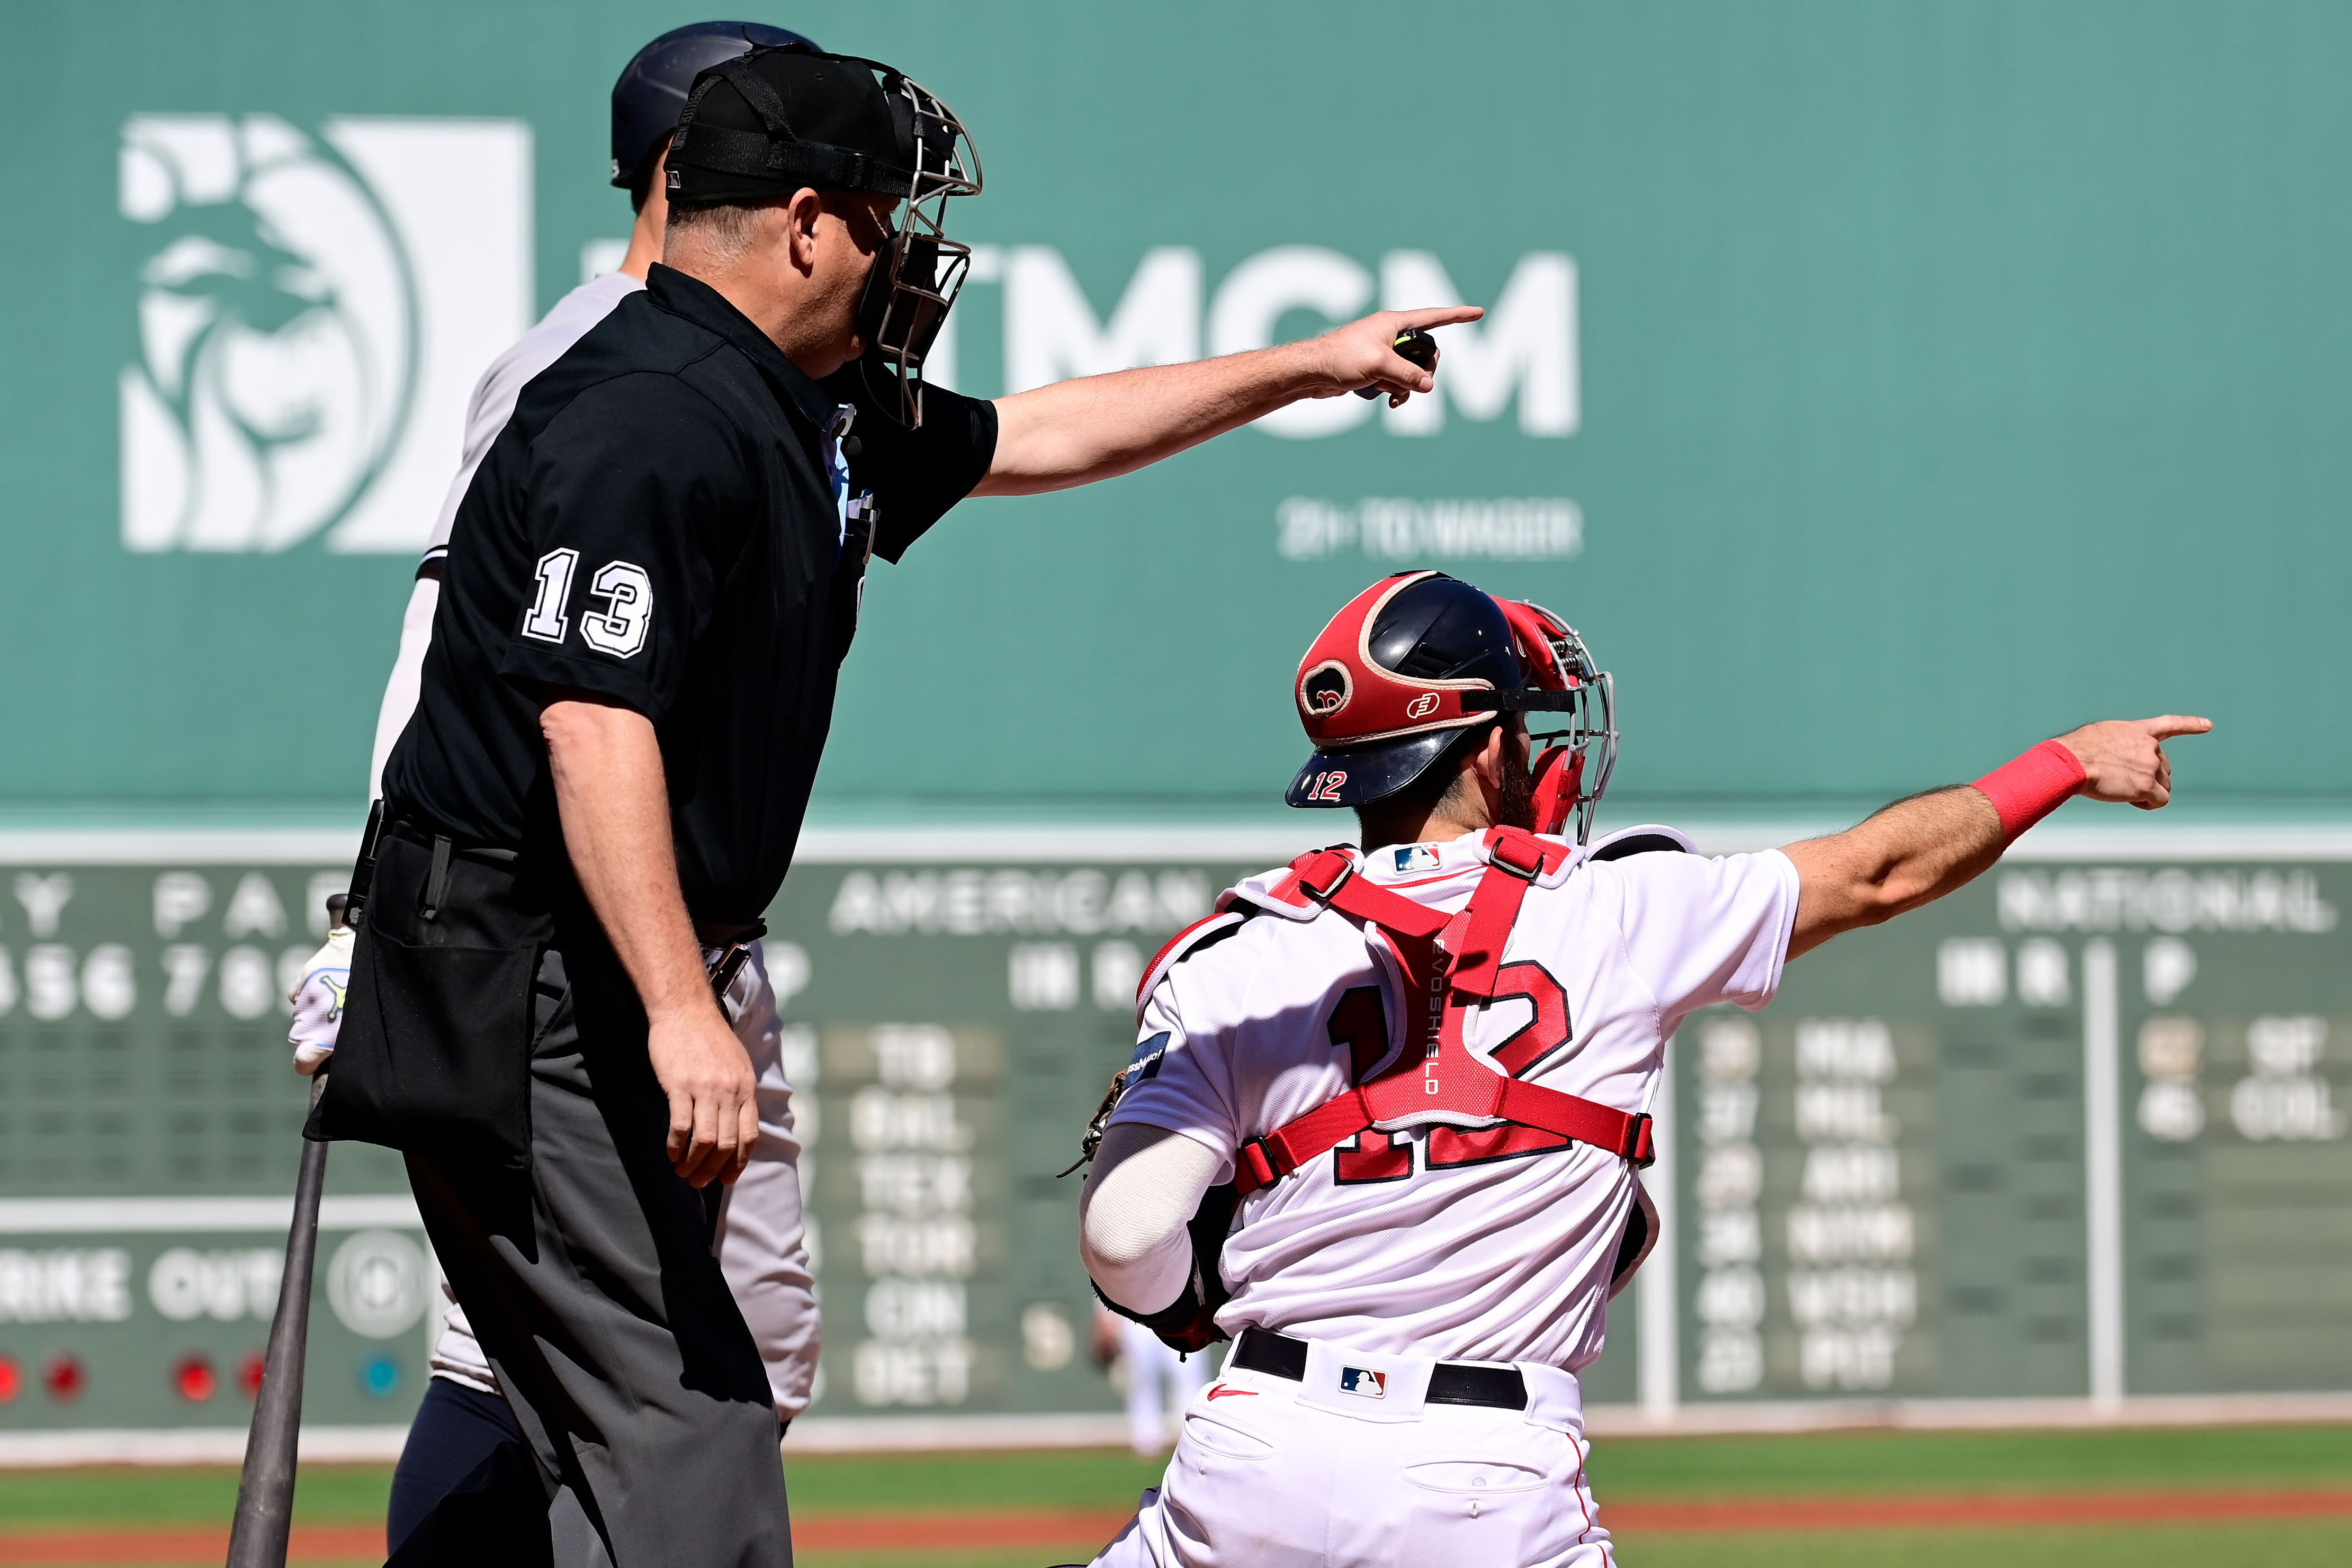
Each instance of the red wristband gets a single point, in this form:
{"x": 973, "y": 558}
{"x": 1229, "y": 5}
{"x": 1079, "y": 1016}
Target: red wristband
{"x": 2029, "y": 789}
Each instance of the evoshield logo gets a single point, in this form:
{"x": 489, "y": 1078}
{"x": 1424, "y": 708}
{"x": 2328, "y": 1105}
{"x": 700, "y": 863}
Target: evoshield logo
{"x": 313, "y": 315}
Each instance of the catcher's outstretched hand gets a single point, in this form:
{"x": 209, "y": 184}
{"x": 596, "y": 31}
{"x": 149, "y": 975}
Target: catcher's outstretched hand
{"x": 2123, "y": 759}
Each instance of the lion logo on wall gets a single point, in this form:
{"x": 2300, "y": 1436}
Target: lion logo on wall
{"x": 276, "y": 335}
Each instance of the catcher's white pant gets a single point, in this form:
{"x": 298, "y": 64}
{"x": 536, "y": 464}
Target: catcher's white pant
{"x": 1268, "y": 1473}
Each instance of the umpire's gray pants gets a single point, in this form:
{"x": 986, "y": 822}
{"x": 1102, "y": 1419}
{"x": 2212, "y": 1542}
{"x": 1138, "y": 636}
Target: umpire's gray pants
{"x": 589, "y": 1282}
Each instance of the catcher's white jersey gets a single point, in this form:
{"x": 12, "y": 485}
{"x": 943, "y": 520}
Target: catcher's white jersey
{"x": 1491, "y": 1245}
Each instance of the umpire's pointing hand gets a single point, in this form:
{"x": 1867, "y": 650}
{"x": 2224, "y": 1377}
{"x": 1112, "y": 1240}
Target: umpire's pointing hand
{"x": 714, "y": 1119}
{"x": 1363, "y": 352}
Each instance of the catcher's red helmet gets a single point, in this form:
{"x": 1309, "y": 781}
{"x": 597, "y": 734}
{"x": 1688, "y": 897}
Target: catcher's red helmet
{"x": 1417, "y": 658}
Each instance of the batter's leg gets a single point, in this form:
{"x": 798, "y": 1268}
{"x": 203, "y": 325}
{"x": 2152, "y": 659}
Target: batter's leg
{"x": 465, "y": 1476}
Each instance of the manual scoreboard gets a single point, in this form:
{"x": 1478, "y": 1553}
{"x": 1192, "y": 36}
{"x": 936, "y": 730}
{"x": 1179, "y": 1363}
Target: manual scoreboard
{"x": 2080, "y": 1130}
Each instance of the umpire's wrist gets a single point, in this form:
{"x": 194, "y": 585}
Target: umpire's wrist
{"x": 693, "y": 1005}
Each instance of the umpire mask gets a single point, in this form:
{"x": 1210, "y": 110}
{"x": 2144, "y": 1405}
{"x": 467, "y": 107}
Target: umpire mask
{"x": 776, "y": 120}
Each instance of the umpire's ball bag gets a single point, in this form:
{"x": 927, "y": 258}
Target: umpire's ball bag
{"x": 435, "y": 1051}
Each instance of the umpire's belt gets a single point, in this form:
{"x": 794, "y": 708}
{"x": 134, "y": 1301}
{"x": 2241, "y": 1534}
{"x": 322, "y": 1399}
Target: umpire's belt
{"x": 423, "y": 833}
{"x": 1450, "y": 1381}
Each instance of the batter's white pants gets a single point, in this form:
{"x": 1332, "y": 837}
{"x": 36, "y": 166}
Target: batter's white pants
{"x": 1157, "y": 1378}
{"x": 1268, "y": 1473}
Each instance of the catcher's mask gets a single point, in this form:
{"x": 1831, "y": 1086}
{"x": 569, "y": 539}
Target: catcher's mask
{"x": 1416, "y": 659}
{"x": 776, "y": 120}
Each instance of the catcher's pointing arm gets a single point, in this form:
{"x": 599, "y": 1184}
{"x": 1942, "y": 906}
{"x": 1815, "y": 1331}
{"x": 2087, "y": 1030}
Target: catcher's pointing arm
{"x": 1917, "y": 850}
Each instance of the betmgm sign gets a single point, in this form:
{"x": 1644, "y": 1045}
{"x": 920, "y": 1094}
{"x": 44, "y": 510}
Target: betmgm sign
{"x": 315, "y": 305}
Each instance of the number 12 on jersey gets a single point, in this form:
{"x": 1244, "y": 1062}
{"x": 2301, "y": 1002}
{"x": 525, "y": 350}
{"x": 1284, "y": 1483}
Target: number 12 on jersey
{"x": 1360, "y": 1022}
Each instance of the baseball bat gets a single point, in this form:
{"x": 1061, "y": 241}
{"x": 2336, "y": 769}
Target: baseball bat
{"x": 265, "y": 1493}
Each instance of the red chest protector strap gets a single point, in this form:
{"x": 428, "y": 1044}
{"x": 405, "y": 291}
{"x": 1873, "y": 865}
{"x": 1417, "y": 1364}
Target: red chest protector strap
{"x": 1441, "y": 1075}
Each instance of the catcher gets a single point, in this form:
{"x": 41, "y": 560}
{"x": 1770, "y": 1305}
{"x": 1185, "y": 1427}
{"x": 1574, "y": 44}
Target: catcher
{"x": 1385, "y": 1124}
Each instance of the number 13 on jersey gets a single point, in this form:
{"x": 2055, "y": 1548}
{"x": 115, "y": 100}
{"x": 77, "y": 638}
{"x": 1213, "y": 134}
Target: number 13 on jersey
{"x": 619, "y": 629}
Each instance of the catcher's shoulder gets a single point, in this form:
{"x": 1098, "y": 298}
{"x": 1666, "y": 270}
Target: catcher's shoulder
{"x": 1246, "y": 926}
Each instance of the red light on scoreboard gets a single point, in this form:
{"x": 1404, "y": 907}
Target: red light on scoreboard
{"x": 192, "y": 1376}
{"x": 249, "y": 1374}
{"x": 9, "y": 1381}
{"x": 63, "y": 1377}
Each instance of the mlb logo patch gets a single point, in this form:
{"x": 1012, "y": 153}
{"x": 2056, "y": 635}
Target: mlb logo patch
{"x": 1416, "y": 857}
{"x": 1364, "y": 1383}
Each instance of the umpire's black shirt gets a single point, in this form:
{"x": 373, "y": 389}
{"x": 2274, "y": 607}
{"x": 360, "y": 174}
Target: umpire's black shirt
{"x": 665, "y": 522}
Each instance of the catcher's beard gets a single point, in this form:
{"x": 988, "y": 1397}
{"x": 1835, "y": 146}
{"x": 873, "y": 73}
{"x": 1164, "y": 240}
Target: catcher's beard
{"x": 1516, "y": 807}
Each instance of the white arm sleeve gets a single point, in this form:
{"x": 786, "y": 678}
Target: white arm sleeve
{"x": 1145, "y": 1184}
{"x": 407, "y": 677}
{"x": 762, "y": 1237}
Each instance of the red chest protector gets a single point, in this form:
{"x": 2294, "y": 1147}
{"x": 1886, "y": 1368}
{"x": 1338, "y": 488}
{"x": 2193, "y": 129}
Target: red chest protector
{"x": 1437, "y": 1072}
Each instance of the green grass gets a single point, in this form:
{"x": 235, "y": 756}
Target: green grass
{"x": 132, "y": 1497}
{"x": 1079, "y": 1552}
{"x": 1866, "y": 1463}
{"x": 2291, "y": 1545}
{"x": 1830, "y": 1464}
{"x": 2294, "y": 1544}
{"x": 2298, "y": 1544}
{"x": 1074, "y": 1480}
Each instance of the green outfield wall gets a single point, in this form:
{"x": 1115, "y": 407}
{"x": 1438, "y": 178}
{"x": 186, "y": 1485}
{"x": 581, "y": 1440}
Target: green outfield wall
{"x": 1880, "y": 387}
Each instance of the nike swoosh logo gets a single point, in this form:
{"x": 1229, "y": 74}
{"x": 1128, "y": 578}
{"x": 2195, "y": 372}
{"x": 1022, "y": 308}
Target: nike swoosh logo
{"x": 1220, "y": 1391}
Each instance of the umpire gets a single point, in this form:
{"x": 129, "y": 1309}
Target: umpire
{"x": 652, "y": 581}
